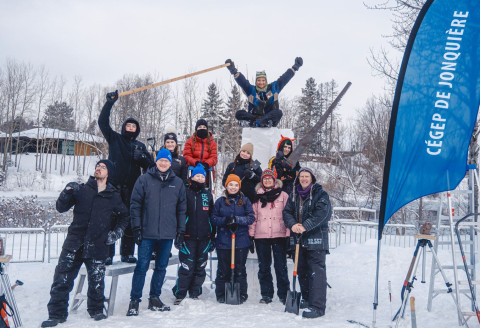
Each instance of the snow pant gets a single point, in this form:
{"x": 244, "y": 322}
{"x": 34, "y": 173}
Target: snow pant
{"x": 265, "y": 248}
{"x": 312, "y": 277}
{"x": 163, "y": 248}
{"x": 66, "y": 271}
{"x": 127, "y": 242}
{"x": 224, "y": 272}
{"x": 274, "y": 115}
{"x": 191, "y": 272}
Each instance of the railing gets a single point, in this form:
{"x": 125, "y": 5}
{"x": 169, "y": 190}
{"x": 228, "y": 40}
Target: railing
{"x": 24, "y": 244}
{"x": 38, "y": 245}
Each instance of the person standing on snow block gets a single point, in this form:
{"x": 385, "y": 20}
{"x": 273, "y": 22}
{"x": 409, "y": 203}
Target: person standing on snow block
{"x": 232, "y": 212}
{"x": 97, "y": 207}
{"x": 285, "y": 172}
{"x": 199, "y": 238}
{"x": 201, "y": 148}
{"x": 306, "y": 214}
{"x": 263, "y": 108}
{"x": 242, "y": 166}
{"x": 130, "y": 157}
{"x": 157, "y": 211}
{"x": 179, "y": 163}
{"x": 271, "y": 236}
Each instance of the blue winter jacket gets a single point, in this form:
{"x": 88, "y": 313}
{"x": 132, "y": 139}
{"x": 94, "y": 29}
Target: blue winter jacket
{"x": 270, "y": 96}
{"x": 245, "y": 217}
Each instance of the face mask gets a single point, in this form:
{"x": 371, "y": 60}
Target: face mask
{"x": 202, "y": 133}
{"x": 129, "y": 135}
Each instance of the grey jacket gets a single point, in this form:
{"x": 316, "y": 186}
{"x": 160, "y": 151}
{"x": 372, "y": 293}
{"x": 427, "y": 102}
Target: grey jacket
{"x": 158, "y": 207}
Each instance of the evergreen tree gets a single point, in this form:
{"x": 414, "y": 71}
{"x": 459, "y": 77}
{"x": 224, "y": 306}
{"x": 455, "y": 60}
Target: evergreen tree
{"x": 309, "y": 109}
{"x": 59, "y": 116}
{"x": 231, "y": 127}
{"x": 212, "y": 110}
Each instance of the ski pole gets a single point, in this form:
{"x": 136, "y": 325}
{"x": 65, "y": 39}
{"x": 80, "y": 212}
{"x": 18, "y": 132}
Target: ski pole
{"x": 154, "y": 85}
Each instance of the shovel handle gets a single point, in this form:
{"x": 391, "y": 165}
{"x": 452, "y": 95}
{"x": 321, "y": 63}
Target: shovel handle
{"x": 150, "y": 86}
{"x": 295, "y": 265}
{"x": 232, "y": 263}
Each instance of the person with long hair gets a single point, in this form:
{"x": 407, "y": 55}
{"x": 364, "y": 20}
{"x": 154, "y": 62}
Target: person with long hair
{"x": 232, "y": 213}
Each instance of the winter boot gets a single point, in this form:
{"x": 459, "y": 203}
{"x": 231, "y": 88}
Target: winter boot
{"x": 52, "y": 322}
{"x": 243, "y": 298}
{"x": 99, "y": 316}
{"x": 133, "y": 308}
{"x": 221, "y": 299}
{"x": 266, "y": 300}
{"x": 108, "y": 261}
{"x": 155, "y": 304}
{"x": 283, "y": 300}
{"x": 178, "y": 301}
{"x": 303, "y": 304}
{"x": 312, "y": 313}
{"x": 128, "y": 259}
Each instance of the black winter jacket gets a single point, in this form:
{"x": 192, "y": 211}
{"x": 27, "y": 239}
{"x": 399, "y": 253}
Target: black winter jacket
{"x": 199, "y": 213}
{"x": 158, "y": 207}
{"x": 248, "y": 183}
{"x": 94, "y": 215}
{"x": 317, "y": 211}
{"x": 121, "y": 148}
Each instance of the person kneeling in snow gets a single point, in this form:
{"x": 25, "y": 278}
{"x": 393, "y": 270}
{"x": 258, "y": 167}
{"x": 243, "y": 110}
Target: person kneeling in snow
{"x": 263, "y": 108}
{"x": 199, "y": 238}
{"x": 97, "y": 207}
{"x": 306, "y": 214}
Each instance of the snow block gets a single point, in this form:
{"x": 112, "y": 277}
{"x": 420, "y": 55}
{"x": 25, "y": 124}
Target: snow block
{"x": 265, "y": 142}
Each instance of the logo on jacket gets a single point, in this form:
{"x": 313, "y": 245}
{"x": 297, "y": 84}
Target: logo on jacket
{"x": 314, "y": 241}
{"x": 205, "y": 202}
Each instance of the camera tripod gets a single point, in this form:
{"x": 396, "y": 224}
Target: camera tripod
{"x": 6, "y": 287}
{"x": 423, "y": 240}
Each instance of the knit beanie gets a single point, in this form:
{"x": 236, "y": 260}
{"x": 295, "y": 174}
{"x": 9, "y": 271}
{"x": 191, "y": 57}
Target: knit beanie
{"x": 269, "y": 173}
{"x": 170, "y": 136}
{"x": 199, "y": 169}
{"x": 164, "y": 153}
{"x": 248, "y": 147}
{"x": 233, "y": 177}
{"x": 261, "y": 74}
{"x": 201, "y": 122}
{"x": 110, "y": 168}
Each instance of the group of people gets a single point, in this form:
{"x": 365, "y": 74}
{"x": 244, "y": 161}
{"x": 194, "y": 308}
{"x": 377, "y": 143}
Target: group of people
{"x": 163, "y": 200}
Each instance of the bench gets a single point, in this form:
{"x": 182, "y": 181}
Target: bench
{"x": 115, "y": 270}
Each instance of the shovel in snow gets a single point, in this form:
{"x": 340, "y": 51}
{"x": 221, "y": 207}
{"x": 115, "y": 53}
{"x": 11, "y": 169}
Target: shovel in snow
{"x": 232, "y": 288}
{"x": 292, "y": 304}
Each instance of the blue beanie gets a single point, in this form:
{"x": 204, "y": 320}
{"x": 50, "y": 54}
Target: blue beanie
{"x": 164, "y": 153}
{"x": 199, "y": 170}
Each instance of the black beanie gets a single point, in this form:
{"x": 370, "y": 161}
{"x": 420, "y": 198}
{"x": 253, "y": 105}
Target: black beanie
{"x": 201, "y": 122}
{"x": 111, "y": 169}
{"x": 170, "y": 136}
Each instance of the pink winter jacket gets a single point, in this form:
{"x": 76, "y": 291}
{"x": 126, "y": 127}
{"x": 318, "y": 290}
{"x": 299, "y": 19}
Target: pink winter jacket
{"x": 269, "y": 220}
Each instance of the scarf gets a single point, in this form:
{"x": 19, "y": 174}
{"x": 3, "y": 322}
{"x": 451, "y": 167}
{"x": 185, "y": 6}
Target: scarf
{"x": 268, "y": 196}
{"x": 196, "y": 186}
{"x": 304, "y": 193}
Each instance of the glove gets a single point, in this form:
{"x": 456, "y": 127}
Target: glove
{"x": 233, "y": 70}
{"x": 179, "y": 241}
{"x": 252, "y": 246}
{"x": 137, "y": 236}
{"x": 112, "y": 97}
{"x": 248, "y": 173}
{"x": 71, "y": 187}
{"x": 205, "y": 166}
{"x": 231, "y": 223}
{"x": 212, "y": 245}
{"x": 113, "y": 236}
{"x": 298, "y": 63}
{"x": 139, "y": 154}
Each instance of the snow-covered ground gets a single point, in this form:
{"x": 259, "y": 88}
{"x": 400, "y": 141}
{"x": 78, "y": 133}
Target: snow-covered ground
{"x": 350, "y": 271}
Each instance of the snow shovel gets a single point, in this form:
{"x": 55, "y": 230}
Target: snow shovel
{"x": 292, "y": 304}
{"x": 232, "y": 288}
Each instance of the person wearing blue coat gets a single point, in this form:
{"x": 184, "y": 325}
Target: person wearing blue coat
{"x": 232, "y": 212}
{"x": 263, "y": 107}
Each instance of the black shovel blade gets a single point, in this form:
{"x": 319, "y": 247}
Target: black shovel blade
{"x": 232, "y": 293}
{"x": 292, "y": 304}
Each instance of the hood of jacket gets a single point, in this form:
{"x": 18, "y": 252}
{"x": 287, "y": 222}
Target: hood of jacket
{"x": 131, "y": 120}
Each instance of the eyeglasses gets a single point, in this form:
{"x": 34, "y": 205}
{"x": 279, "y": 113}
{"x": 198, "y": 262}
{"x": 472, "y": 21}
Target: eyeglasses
{"x": 103, "y": 167}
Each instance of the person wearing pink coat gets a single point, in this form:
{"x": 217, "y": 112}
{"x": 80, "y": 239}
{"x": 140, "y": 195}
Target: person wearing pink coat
{"x": 270, "y": 236}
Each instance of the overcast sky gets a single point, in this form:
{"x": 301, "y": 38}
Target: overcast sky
{"x": 103, "y": 40}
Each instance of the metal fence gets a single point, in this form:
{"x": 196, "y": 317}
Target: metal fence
{"x": 39, "y": 245}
